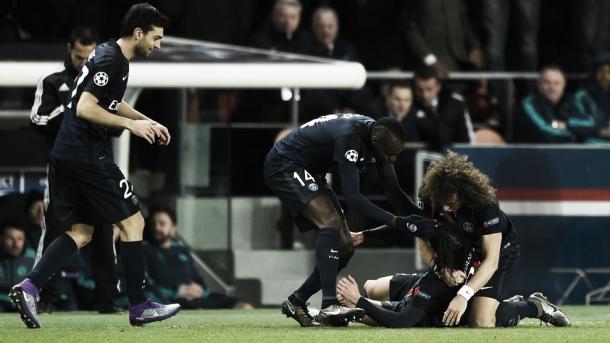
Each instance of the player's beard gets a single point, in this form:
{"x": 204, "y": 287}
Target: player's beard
{"x": 142, "y": 51}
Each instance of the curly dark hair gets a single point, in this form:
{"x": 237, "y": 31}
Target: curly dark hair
{"x": 454, "y": 174}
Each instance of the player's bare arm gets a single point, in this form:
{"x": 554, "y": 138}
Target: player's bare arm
{"x": 125, "y": 110}
{"x": 489, "y": 265}
{"x": 89, "y": 110}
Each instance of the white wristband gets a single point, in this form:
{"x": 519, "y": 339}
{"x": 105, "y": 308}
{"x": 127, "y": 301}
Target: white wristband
{"x": 429, "y": 59}
{"x": 466, "y": 292}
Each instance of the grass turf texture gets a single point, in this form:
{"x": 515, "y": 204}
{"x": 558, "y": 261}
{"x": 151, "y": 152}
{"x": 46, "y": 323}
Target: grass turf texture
{"x": 590, "y": 324}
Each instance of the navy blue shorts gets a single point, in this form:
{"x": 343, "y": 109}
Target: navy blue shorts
{"x": 296, "y": 187}
{"x": 81, "y": 192}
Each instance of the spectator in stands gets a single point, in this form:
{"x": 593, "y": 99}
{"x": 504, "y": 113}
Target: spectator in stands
{"x": 439, "y": 34}
{"x": 34, "y": 207}
{"x": 16, "y": 259}
{"x": 440, "y": 116}
{"x": 597, "y": 88}
{"x": 399, "y": 105}
{"x": 171, "y": 270}
{"x": 487, "y": 118}
{"x": 550, "y": 115}
{"x": 327, "y": 42}
{"x": 282, "y": 33}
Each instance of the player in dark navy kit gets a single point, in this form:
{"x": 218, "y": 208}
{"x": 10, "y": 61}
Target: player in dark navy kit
{"x": 295, "y": 170}
{"x": 407, "y": 300}
{"x": 416, "y": 299}
{"x": 83, "y": 179}
{"x": 454, "y": 190}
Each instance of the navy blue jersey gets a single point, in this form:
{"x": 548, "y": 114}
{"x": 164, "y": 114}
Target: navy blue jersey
{"x": 329, "y": 140}
{"x": 105, "y": 76}
{"x": 485, "y": 220}
{"x": 422, "y": 305}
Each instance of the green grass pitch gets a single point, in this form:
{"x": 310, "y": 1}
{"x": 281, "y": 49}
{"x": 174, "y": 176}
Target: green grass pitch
{"x": 591, "y": 324}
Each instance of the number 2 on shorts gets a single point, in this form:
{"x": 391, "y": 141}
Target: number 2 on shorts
{"x": 128, "y": 188}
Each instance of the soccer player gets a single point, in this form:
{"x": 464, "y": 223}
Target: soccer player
{"x": 84, "y": 182}
{"x": 295, "y": 169}
{"x": 407, "y": 300}
{"x": 416, "y": 299}
{"x": 455, "y": 191}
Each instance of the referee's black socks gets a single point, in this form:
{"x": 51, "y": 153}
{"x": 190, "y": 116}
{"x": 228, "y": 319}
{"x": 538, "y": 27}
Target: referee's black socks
{"x": 132, "y": 259}
{"x": 52, "y": 259}
{"x": 327, "y": 256}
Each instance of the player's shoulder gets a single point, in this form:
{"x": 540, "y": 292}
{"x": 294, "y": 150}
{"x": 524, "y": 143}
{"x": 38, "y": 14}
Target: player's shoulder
{"x": 108, "y": 52}
{"x": 350, "y": 123}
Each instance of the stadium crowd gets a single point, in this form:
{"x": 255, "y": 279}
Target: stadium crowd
{"x": 440, "y": 35}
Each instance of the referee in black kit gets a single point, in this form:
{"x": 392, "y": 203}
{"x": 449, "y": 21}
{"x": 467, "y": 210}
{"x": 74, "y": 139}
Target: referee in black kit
{"x": 83, "y": 180}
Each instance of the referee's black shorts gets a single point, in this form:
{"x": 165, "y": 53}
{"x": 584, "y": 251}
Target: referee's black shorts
{"x": 82, "y": 190}
{"x": 296, "y": 187}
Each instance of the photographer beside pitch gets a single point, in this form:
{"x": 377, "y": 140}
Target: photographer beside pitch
{"x": 83, "y": 181}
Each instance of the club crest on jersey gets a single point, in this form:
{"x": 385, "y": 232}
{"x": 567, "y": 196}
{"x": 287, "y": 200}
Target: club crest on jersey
{"x": 412, "y": 227}
{"x": 100, "y": 78}
{"x": 313, "y": 187}
{"x": 351, "y": 155}
{"x": 468, "y": 227}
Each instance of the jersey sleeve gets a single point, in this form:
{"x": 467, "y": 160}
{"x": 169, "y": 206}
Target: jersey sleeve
{"x": 347, "y": 150}
{"x": 103, "y": 74}
{"x": 490, "y": 219}
{"x": 409, "y": 315}
{"x": 47, "y": 105}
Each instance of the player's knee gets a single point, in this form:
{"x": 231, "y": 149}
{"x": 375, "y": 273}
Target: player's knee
{"x": 369, "y": 287}
{"x": 132, "y": 228}
{"x": 80, "y": 236}
{"x": 483, "y": 322}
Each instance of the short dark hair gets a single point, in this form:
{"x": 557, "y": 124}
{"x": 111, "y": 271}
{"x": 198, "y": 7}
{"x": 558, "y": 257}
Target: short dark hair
{"x": 393, "y": 126}
{"x": 164, "y": 209}
{"x": 390, "y": 86}
{"x": 84, "y": 35}
{"x": 426, "y": 73}
{"x": 144, "y": 16}
{"x": 13, "y": 223}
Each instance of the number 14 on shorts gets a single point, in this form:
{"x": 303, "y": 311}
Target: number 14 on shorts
{"x": 306, "y": 176}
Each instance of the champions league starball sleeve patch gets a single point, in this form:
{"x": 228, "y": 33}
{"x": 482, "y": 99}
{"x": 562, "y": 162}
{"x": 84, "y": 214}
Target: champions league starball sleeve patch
{"x": 352, "y": 155}
{"x": 100, "y": 78}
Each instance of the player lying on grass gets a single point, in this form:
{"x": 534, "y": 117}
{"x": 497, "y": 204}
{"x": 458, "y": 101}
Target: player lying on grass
{"x": 408, "y": 300}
